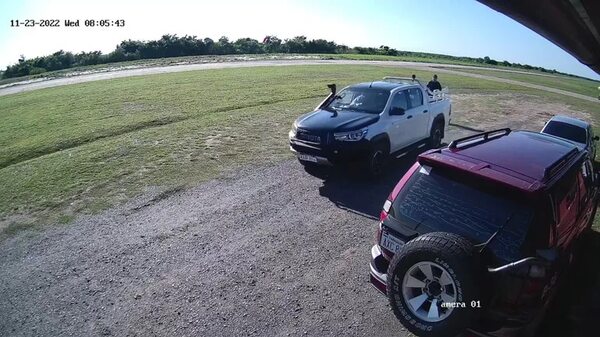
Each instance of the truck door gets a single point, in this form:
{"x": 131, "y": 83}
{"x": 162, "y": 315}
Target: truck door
{"x": 398, "y": 128}
{"x": 567, "y": 198}
{"x": 587, "y": 202}
{"x": 420, "y": 115}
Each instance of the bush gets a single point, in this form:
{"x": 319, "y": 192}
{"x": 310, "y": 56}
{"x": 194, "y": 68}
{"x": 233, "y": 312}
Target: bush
{"x": 36, "y": 71}
{"x": 172, "y": 45}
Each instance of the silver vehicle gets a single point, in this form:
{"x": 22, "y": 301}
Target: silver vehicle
{"x": 575, "y": 130}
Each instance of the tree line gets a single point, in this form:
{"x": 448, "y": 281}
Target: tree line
{"x": 173, "y": 46}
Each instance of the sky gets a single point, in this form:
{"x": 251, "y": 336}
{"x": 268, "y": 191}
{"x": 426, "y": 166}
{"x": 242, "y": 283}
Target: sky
{"x": 453, "y": 27}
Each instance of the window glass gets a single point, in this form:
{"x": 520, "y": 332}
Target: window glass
{"x": 415, "y": 98}
{"x": 400, "y": 100}
{"x": 444, "y": 202}
{"x": 567, "y": 131}
{"x": 369, "y": 100}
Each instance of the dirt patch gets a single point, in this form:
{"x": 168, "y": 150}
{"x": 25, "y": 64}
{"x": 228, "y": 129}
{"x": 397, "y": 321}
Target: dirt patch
{"x": 14, "y": 222}
{"x": 516, "y": 111}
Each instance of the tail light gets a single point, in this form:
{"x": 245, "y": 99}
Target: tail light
{"x": 533, "y": 287}
{"x": 385, "y": 211}
{"x": 382, "y": 216}
{"x": 378, "y": 234}
{"x": 387, "y": 205}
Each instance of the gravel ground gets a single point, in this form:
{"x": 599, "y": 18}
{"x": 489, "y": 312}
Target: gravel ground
{"x": 265, "y": 251}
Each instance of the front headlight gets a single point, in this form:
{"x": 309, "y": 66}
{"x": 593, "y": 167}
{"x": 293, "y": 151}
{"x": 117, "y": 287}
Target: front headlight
{"x": 293, "y": 131}
{"x": 351, "y": 136}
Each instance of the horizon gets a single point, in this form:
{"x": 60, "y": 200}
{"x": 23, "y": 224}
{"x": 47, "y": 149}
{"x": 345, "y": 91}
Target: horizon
{"x": 474, "y": 31}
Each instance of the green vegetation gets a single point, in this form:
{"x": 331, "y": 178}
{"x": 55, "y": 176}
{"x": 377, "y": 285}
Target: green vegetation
{"x": 82, "y": 148}
{"x": 174, "y": 46}
{"x": 581, "y": 86}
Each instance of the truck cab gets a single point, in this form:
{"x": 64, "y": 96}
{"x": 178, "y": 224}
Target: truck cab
{"x": 368, "y": 122}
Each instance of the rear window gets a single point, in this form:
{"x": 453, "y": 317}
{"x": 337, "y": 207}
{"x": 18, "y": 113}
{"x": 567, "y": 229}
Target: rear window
{"x": 567, "y": 131}
{"x": 448, "y": 203}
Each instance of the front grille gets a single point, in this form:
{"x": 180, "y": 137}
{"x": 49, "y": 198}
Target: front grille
{"x": 308, "y": 136}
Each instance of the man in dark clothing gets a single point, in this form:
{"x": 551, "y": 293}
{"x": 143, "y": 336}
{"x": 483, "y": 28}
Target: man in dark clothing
{"x": 434, "y": 84}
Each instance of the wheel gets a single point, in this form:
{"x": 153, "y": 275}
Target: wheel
{"x": 433, "y": 285}
{"x": 377, "y": 160}
{"x": 435, "y": 137}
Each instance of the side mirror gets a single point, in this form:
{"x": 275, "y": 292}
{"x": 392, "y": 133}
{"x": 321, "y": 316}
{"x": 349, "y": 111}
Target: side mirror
{"x": 396, "y": 111}
{"x": 596, "y": 138}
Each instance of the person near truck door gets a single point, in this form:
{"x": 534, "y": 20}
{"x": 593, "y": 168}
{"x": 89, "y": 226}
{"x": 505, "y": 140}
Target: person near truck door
{"x": 434, "y": 84}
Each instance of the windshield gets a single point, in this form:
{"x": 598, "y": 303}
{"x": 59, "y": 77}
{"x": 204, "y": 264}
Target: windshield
{"x": 367, "y": 100}
{"x": 450, "y": 203}
{"x": 566, "y": 131}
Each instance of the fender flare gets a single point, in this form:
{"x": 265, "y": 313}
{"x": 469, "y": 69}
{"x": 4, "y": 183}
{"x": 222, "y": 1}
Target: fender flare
{"x": 381, "y": 138}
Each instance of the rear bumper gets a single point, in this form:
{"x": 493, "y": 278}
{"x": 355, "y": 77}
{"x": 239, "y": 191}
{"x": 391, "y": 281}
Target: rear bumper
{"x": 378, "y": 270}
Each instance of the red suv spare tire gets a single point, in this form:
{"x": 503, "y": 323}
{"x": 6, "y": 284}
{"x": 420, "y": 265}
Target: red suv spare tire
{"x": 434, "y": 284}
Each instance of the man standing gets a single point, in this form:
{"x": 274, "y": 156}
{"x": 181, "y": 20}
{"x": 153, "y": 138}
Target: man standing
{"x": 434, "y": 84}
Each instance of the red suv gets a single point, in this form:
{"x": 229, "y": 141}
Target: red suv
{"x": 476, "y": 235}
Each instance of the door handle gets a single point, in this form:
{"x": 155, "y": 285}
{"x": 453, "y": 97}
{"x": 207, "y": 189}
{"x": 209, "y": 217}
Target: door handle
{"x": 425, "y": 111}
{"x": 409, "y": 117}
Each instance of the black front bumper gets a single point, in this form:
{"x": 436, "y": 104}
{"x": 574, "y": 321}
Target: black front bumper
{"x": 331, "y": 152}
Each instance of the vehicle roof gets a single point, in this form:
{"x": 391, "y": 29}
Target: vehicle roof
{"x": 525, "y": 160}
{"x": 570, "y": 120}
{"x": 385, "y": 85}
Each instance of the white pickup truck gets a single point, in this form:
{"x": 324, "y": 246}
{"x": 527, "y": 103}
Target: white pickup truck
{"x": 369, "y": 122}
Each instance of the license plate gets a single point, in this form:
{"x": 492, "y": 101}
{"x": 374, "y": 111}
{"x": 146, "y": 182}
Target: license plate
{"x": 390, "y": 242}
{"x": 307, "y": 157}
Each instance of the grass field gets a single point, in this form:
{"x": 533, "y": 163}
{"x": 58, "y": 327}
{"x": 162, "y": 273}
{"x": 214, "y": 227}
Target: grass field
{"x": 577, "y": 85}
{"x": 82, "y": 148}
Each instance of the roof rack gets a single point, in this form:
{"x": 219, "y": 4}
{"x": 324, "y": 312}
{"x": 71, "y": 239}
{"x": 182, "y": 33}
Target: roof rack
{"x": 399, "y": 79}
{"x": 485, "y": 136}
{"x": 559, "y": 164}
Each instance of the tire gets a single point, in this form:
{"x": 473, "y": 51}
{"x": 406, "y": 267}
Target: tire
{"x": 436, "y": 134}
{"x": 377, "y": 160}
{"x": 428, "y": 271}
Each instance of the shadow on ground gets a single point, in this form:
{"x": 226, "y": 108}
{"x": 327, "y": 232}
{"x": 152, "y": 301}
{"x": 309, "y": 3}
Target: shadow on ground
{"x": 576, "y": 308}
{"x": 352, "y": 191}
